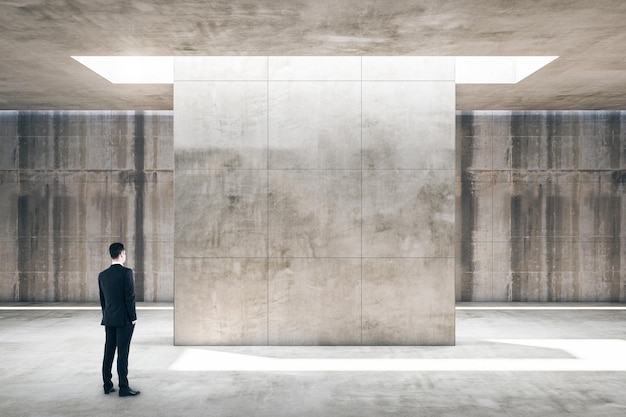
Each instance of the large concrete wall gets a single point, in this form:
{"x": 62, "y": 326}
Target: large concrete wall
{"x": 70, "y": 184}
{"x": 542, "y": 214}
{"x": 314, "y": 200}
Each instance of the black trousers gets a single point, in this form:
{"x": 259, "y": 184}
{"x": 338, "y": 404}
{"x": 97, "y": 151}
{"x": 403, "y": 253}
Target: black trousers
{"x": 117, "y": 338}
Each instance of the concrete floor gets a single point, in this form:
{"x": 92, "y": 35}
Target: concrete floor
{"x": 507, "y": 362}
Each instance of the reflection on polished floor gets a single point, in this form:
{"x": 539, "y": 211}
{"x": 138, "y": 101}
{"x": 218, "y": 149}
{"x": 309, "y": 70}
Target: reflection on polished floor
{"x": 509, "y": 360}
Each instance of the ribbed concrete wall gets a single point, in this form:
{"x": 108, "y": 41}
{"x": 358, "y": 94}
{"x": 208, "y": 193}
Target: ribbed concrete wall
{"x": 541, "y": 216}
{"x": 70, "y": 184}
{"x": 542, "y": 213}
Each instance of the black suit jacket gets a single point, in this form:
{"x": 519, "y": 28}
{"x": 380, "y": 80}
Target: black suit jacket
{"x": 117, "y": 296}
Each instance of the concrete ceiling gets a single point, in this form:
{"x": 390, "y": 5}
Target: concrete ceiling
{"x": 37, "y": 38}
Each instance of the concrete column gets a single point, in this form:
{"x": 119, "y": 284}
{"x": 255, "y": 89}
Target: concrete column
{"x": 314, "y": 200}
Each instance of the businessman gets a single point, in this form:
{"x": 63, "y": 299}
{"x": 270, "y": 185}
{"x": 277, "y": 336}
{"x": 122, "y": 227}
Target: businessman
{"x": 117, "y": 298}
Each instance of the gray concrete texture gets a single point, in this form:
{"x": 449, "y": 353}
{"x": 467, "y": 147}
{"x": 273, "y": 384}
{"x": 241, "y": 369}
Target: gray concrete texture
{"x": 73, "y": 182}
{"x": 543, "y": 206}
{"x": 568, "y": 170}
{"x": 39, "y": 37}
{"x": 307, "y": 211}
{"x": 514, "y": 363}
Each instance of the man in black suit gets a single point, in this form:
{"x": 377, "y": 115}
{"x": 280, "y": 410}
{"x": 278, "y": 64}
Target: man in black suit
{"x": 117, "y": 298}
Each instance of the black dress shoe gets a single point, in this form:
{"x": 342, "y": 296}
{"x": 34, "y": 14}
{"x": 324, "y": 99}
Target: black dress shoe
{"x": 109, "y": 390}
{"x": 129, "y": 393}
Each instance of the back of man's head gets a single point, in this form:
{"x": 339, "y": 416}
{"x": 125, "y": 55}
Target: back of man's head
{"x": 116, "y": 249}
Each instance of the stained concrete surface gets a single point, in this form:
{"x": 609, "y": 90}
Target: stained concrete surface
{"x": 542, "y": 212}
{"x": 355, "y": 251}
{"x": 541, "y": 217}
{"x": 507, "y": 362}
{"x": 39, "y": 37}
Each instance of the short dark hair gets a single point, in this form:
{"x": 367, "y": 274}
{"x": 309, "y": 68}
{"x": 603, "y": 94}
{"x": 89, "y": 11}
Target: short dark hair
{"x": 116, "y": 249}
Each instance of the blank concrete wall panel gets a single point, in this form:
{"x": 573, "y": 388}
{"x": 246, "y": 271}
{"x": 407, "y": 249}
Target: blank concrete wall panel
{"x": 474, "y": 123}
{"x": 408, "y": 125}
{"x": 159, "y": 153}
{"x": 600, "y": 203}
{"x": 159, "y": 124}
{"x": 408, "y": 213}
{"x": 315, "y": 125}
{"x": 9, "y": 286}
{"x": 67, "y": 254}
{"x": 560, "y": 216}
{"x": 600, "y": 151}
{"x": 68, "y": 204}
{"x": 221, "y": 213}
{"x": 532, "y": 286}
{"x": 600, "y": 286}
{"x": 35, "y": 153}
{"x": 69, "y": 153}
{"x": 478, "y": 203}
{"x": 137, "y": 140}
{"x": 314, "y": 213}
{"x": 483, "y": 256}
{"x": 69, "y": 286}
{"x": 158, "y": 285}
{"x": 97, "y": 256}
{"x": 528, "y": 153}
{"x": 158, "y": 268}
{"x": 478, "y": 152}
{"x": 99, "y": 212}
{"x": 34, "y": 287}
{"x": 98, "y": 153}
{"x": 122, "y": 209}
{"x": 501, "y": 156}
{"x": 408, "y": 301}
{"x": 8, "y": 236}
{"x": 229, "y": 68}
{"x": 411, "y": 68}
{"x": 314, "y": 301}
{"x": 122, "y": 152}
{"x": 563, "y": 152}
{"x": 502, "y": 257}
{"x": 564, "y": 286}
{"x": 8, "y": 255}
{"x": 221, "y": 125}
{"x": 501, "y": 204}
{"x": 97, "y": 123}
{"x": 8, "y": 208}
{"x": 306, "y": 126}
{"x": 83, "y": 141}
{"x": 34, "y": 123}
{"x": 9, "y": 151}
{"x": 480, "y": 285}
{"x": 225, "y": 301}
{"x": 8, "y": 123}
{"x": 477, "y": 286}
{"x": 71, "y": 203}
{"x": 622, "y": 271}
{"x": 33, "y": 204}
{"x": 32, "y": 255}
{"x": 161, "y": 288}
{"x": 622, "y": 135}
{"x": 474, "y": 131}
{"x": 158, "y": 188}
{"x": 314, "y": 68}
{"x": 159, "y": 140}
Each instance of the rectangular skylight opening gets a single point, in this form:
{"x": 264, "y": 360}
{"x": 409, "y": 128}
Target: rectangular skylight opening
{"x": 131, "y": 69}
{"x": 468, "y": 69}
{"x": 498, "y": 69}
